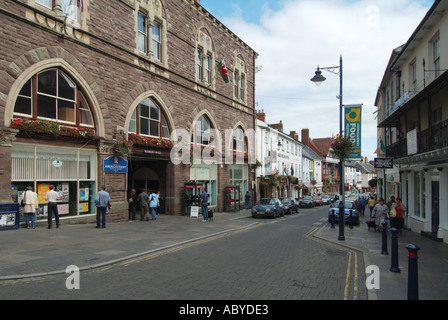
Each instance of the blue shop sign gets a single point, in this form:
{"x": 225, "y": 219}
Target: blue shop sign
{"x": 115, "y": 164}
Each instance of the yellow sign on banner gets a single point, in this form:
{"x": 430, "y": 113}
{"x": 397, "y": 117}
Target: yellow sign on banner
{"x": 353, "y": 129}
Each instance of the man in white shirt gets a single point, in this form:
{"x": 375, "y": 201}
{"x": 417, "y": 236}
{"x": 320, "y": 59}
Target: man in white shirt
{"x": 52, "y": 197}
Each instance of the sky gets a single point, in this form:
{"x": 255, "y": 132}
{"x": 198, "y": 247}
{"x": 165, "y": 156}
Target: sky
{"x": 293, "y": 37}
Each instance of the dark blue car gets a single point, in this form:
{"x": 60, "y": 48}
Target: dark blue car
{"x": 267, "y": 207}
{"x": 349, "y": 205}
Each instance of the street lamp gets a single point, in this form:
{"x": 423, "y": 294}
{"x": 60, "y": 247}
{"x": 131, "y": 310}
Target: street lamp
{"x": 318, "y": 79}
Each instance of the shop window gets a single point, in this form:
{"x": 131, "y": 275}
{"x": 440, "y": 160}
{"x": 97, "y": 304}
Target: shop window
{"x": 71, "y": 171}
{"x": 57, "y": 98}
{"x": 149, "y": 120}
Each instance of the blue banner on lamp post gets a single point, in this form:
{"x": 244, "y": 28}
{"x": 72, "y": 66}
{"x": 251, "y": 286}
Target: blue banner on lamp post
{"x": 352, "y": 128}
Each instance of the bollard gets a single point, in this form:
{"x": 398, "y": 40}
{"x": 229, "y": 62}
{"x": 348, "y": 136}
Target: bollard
{"x": 394, "y": 256}
{"x": 332, "y": 219}
{"x": 413, "y": 271}
{"x": 341, "y": 220}
{"x": 384, "y": 249}
{"x": 350, "y": 220}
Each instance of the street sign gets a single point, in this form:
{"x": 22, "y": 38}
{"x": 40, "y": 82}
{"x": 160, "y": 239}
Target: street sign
{"x": 383, "y": 163}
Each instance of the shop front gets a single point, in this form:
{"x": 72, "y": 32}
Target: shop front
{"x": 71, "y": 170}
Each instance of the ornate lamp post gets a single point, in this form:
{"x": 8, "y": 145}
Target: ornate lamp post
{"x": 318, "y": 79}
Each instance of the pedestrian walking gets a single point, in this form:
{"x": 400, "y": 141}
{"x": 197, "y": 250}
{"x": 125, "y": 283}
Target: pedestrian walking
{"x": 52, "y": 197}
{"x": 29, "y": 209}
{"x": 371, "y": 205}
{"x": 153, "y": 204}
{"x": 361, "y": 206}
{"x": 247, "y": 200}
{"x": 132, "y": 204}
{"x": 204, "y": 205}
{"x": 102, "y": 201}
{"x": 143, "y": 201}
{"x": 397, "y": 218}
{"x": 380, "y": 212}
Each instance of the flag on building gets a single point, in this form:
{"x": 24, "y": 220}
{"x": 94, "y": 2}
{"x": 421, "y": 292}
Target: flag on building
{"x": 223, "y": 70}
{"x": 81, "y": 5}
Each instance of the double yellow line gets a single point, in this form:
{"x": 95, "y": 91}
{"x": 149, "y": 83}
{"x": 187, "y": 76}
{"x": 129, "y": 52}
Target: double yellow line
{"x": 180, "y": 247}
{"x": 352, "y": 259}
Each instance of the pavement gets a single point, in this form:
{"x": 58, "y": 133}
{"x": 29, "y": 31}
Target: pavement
{"x": 29, "y": 253}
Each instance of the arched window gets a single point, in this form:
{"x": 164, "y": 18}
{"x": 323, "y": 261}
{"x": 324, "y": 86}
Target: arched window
{"x": 52, "y": 95}
{"x": 149, "y": 120}
{"x": 201, "y": 132}
{"x": 239, "y": 141}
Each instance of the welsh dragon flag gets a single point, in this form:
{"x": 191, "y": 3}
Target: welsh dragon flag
{"x": 223, "y": 70}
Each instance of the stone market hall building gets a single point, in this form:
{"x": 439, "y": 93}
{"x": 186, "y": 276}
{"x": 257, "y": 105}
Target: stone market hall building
{"x": 91, "y": 91}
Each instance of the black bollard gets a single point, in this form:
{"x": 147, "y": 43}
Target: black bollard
{"x": 413, "y": 271}
{"x": 394, "y": 256}
{"x": 341, "y": 220}
{"x": 384, "y": 248}
{"x": 332, "y": 219}
{"x": 351, "y": 219}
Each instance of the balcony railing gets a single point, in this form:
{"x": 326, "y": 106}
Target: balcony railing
{"x": 431, "y": 139}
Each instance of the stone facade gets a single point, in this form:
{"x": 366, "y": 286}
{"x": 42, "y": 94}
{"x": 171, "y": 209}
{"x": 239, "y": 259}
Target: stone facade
{"x": 98, "y": 51}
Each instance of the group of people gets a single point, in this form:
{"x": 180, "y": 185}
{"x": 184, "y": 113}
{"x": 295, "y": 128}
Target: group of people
{"x": 145, "y": 202}
{"x": 393, "y": 210}
{"x": 30, "y": 205}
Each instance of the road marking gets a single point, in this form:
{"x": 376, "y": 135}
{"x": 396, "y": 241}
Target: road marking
{"x": 352, "y": 253}
{"x": 187, "y": 245}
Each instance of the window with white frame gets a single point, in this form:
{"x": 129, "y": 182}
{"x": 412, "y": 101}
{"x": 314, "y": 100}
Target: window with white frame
{"x": 436, "y": 56}
{"x": 239, "y": 79}
{"x": 204, "y": 58}
{"x": 201, "y": 132}
{"x": 149, "y": 36}
{"x": 47, "y": 3}
{"x": 148, "y": 120}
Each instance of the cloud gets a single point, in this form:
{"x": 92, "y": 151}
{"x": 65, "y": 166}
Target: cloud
{"x": 293, "y": 40}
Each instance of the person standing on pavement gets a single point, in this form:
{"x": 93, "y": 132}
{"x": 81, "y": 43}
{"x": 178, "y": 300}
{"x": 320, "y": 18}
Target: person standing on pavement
{"x": 204, "y": 205}
{"x": 371, "y": 205}
{"x": 102, "y": 199}
{"x": 132, "y": 204}
{"x": 143, "y": 201}
{"x": 29, "y": 210}
{"x": 398, "y": 221}
{"x": 380, "y": 212}
{"x": 391, "y": 201}
{"x": 153, "y": 204}
{"x": 52, "y": 197}
{"x": 247, "y": 200}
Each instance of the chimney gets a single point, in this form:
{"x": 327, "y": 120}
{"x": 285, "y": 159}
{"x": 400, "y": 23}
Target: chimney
{"x": 306, "y": 136}
{"x": 261, "y": 115}
{"x": 294, "y": 135}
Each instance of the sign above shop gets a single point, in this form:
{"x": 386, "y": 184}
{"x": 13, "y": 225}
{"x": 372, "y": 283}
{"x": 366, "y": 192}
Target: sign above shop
{"x": 383, "y": 163}
{"x": 115, "y": 164}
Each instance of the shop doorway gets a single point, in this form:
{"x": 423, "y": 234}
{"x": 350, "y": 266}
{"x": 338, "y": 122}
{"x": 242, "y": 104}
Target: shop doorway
{"x": 151, "y": 178}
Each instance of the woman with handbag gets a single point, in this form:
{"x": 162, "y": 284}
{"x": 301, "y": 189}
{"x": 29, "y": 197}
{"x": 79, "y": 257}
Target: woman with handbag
{"x": 30, "y": 206}
{"x": 396, "y": 214}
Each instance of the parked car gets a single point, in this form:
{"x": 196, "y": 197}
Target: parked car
{"x": 317, "y": 200}
{"x": 349, "y": 205}
{"x": 325, "y": 199}
{"x": 290, "y": 205}
{"x": 268, "y": 207}
{"x": 306, "y": 202}
{"x": 334, "y": 197}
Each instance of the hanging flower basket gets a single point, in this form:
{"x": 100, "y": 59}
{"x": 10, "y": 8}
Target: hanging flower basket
{"x": 341, "y": 146}
{"x": 122, "y": 147}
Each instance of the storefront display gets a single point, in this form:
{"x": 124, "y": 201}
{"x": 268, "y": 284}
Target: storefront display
{"x": 71, "y": 171}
